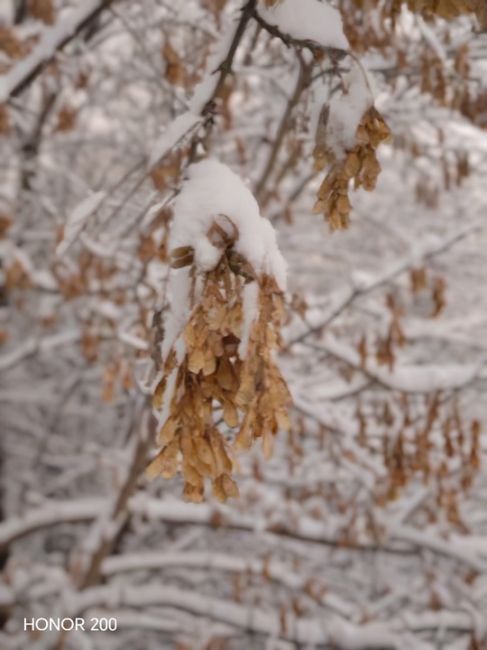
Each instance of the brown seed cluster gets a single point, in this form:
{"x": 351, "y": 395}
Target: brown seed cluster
{"x": 221, "y": 403}
{"x": 418, "y": 453}
{"x": 360, "y": 164}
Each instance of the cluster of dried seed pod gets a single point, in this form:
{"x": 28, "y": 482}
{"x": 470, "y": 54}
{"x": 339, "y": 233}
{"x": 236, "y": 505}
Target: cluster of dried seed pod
{"x": 446, "y": 9}
{"x": 449, "y": 9}
{"x": 359, "y": 164}
{"x": 225, "y": 390}
{"x": 428, "y": 451}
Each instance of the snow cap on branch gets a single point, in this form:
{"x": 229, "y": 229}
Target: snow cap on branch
{"x": 307, "y": 20}
{"x": 212, "y": 189}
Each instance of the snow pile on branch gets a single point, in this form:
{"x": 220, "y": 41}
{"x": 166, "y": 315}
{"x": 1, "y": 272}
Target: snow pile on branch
{"x": 348, "y": 134}
{"x": 215, "y": 367}
{"x": 345, "y": 111}
{"x": 51, "y": 40}
{"x": 308, "y": 20}
{"x": 213, "y": 189}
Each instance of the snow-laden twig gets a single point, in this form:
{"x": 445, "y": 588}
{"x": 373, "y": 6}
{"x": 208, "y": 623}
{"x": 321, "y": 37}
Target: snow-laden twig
{"x": 34, "y": 346}
{"x": 90, "y": 553}
{"x": 50, "y": 514}
{"x": 304, "y": 22}
{"x": 175, "y": 512}
{"x": 182, "y": 126}
{"x": 218, "y": 68}
{"x": 77, "y": 219}
{"x": 273, "y": 569}
{"x": 52, "y": 39}
{"x": 333, "y": 631}
{"x": 453, "y": 549}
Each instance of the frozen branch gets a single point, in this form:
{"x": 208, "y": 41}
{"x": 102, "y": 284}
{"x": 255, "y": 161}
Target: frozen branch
{"x": 52, "y": 40}
{"x": 287, "y": 626}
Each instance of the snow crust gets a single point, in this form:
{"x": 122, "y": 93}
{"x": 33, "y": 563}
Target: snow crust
{"x": 308, "y": 20}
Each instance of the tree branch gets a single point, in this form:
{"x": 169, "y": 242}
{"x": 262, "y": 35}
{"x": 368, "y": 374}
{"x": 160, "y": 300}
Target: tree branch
{"x": 302, "y": 83}
{"x": 87, "y": 559}
{"x": 289, "y": 41}
{"x": 53, "y": 39}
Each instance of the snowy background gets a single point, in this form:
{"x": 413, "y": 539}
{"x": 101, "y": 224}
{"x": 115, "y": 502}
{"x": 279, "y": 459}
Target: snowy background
{"x": 368, "y": 527}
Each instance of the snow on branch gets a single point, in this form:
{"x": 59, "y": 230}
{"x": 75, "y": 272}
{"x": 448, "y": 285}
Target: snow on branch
{"x": 50, "y": 514}
{"x": 77, "y": 221}
{"x": 205, "y": 93}
{"x": 52, "y": 39}
{"x": 272, "y": 569}
{"x": 342, "y": 299}
{"x": 407, "y": 379}
{"x": 34, "y": 346}
{"x": 183, "y": 125}
{"x": 226, "y": 287}
{"x": 175, "y": 512}
{"x": 307, "y": 21}
{"x": 331, "y": 630}
{"x": 423, "y": 539}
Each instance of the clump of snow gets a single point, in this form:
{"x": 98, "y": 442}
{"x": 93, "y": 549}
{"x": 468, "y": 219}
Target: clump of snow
{"x": 213, "y": 189}
{"x": 308, "y": 20}
{"x": 206, "y": 255}
{"x": 51, "y": 39}
{"x": 346, "y": 109}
